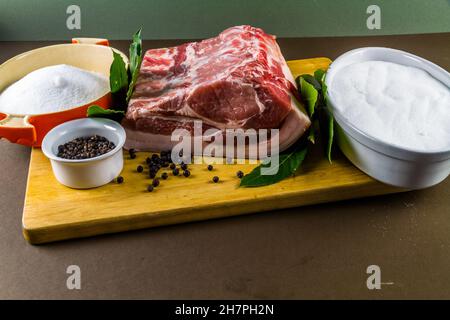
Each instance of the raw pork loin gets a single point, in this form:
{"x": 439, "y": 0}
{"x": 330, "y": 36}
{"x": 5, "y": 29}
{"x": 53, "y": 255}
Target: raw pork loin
{"x": 238, "y": 79}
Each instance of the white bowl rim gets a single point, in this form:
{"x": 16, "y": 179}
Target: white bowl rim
{"x": 47, "y": 149}
{"x": 368, "y": 140}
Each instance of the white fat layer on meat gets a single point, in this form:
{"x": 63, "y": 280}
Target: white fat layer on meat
{"x": 292, "y": 129}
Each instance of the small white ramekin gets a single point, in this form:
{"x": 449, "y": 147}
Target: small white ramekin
{"x": 387, "y": 163}
{"x": 85, "y": 173}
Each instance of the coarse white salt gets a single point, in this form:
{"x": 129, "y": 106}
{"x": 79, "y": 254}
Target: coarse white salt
{"x": 51, "y": 89}
{"x": 397, "y": 104}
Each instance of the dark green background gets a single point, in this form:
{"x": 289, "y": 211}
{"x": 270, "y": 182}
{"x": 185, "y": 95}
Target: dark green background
{"x": 184, "y": 19}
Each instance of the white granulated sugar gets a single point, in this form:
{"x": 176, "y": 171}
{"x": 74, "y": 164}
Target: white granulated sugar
{"x": 52, "y": 89}
{"x": 397, "y": 104}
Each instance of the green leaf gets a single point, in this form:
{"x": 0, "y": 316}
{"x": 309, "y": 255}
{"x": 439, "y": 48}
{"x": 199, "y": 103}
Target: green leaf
{"x": 319, "y": 75}
{"x": 329, "y": 120}
{"x": 326, "y": 121}
{"x": 118, "y": 77}
{"x": 317, "y": 108}
{"x": 312, "y": 135}
{"x": 135, "y": 61}
{"x": 309, "y": 94}
{"x": 313, "y": 131}
{"x": 135, "y": 51}
{"x": 330, "y": 135}
{"x": 310, "y": 79}
{"x": 288, "y": 164}
{"x": 121, "y": 81}
{"x": 95, "y": 111}
{"x": 118, "y": 81}
{"x": 324, "y": 89}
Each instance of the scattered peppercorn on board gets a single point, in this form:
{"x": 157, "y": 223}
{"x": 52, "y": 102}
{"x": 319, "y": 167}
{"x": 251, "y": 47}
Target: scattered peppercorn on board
{"x": 54, "y": 212}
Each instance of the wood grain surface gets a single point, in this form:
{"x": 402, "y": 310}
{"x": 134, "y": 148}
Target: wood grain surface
{"x": 54, "y": 212}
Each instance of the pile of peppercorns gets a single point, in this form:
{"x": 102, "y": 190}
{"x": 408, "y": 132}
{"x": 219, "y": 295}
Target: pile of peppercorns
{"x": 156, "y": 162}
{"x": 85, "y": 148}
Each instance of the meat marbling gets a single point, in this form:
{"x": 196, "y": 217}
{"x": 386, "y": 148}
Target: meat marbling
{"x": 238, "y": 79}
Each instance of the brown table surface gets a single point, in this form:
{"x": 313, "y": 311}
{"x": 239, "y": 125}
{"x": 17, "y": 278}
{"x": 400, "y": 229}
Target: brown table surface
{"x": 319, "y": 251}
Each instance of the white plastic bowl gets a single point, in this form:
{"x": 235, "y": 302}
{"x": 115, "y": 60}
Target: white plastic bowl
{"x": 390, "y": 164}
{"x": 85, "y": 173}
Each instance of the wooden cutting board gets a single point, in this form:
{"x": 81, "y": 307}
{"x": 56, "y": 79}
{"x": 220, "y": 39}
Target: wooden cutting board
{"x": 54, "y": 212}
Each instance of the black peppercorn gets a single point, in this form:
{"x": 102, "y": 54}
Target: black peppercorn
{"x": 152, "y": 174}
{"x": 186, "y": 173}
{"x": 150, "y": 188}
{"x": 119, "y": 179}
{"x": 172, "y": 166}
{"x": 155, "y": 182}
{"x": 215, "y": 179}
{"x": 140, "y": 169}
{"x": 175, "y": 171}
{"x": 164, "y": 176}
{"x": 183, "y": 166}
{"x": 132, "y": 155}
{"x": 210, "y": 167}
{"x": 239, "y": 174}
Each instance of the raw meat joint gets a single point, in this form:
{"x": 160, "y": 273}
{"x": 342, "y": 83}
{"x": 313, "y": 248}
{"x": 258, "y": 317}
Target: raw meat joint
{"x": 238, "y": 79}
